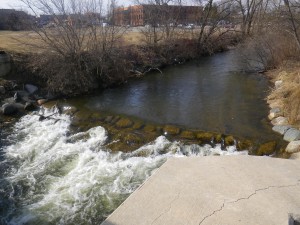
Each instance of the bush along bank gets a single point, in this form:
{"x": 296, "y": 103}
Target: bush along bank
{"x": 80, "y": 72}
{"x": 284, "y": 102}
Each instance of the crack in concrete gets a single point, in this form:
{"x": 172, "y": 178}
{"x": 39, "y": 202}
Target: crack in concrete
{"x": 246, "y": 198}
{"x": 166, "y": 211}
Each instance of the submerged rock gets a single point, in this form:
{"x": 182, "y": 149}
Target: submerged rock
{"x": 124, "y": 123}
{"x": 188, "y": 135}
{"x": 171, "y": 130}
{"x": 132, "y": 138}
{"x": 12, "y": 108}
{"x": 205, "y": 136}
{"x": 244, "y": 145}
{"x": 267, "y": 148}
{"x": 229, "y": 140}
{"x": 149, "y": 128}
{"x": 292, "y": 135}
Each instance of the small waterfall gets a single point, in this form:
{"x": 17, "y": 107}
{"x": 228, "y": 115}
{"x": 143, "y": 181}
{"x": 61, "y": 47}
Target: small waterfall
{"x": 55, "y": 177}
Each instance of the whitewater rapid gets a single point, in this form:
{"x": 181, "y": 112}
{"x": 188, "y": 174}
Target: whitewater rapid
{"x": 54, "y": 176}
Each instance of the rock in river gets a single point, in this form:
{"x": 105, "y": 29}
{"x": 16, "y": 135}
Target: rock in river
{"x": 11, "y": 108}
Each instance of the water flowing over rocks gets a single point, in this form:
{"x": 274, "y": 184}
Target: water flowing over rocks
{"x": 16, "y": 102}
{"x": 69, "y": 163}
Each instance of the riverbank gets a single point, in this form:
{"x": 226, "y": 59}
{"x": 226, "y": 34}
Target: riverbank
{"x": 65, "y": 74}
{"x": 284, "y": 102}
{"x": 197, "y": 122}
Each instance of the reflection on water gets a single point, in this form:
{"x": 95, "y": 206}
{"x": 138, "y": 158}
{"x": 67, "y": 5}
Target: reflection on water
{"x": 212, "y": 94}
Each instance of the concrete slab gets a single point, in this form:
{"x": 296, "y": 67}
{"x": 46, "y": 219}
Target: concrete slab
{"x": 226, "y": 190}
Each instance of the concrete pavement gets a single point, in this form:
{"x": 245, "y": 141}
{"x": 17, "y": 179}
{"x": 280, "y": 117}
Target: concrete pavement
{"x": 226, "y": 190}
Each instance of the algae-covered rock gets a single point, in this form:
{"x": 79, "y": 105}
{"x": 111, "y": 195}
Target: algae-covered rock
{"x": 244, "y": 145}
{"x": 137, "y": 125}
{"x": 186, "y": 134}
{"x": 108, "y": 119}
{"x": 124, "y": 123}
{"x": 229, "y": 140}
{"x": 82, "y": 115}
{"x": 205, "y": 136}
{"x": 267, "y": 148}
{"x": 169, "y": 129}
{"x": 132, "y": 138}
{"x": 149, "y": 128}
{"x": 218, "y": 138}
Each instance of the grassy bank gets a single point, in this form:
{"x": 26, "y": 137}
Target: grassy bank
{"x": 111, "y": 61}
{"x": 287, "y": 94}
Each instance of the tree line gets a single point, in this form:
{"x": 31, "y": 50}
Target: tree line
{"x": 79, "y": 53}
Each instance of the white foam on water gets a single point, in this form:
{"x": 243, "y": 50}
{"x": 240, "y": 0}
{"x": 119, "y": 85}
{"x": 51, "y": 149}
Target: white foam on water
{"x": 75, "y": 179}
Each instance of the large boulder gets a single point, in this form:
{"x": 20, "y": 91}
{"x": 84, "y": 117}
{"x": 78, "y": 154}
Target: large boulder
{"x": 267, "y": 148}
{"x": 281, "y": 129}
{"x": 31, "y": 89}
{"x": 20, "y": 96}
{"x": 11, "y": 108}
{"x": 293, "y": 147}
{"x": 292, "y": 135}
{"x": 280, "y": 121}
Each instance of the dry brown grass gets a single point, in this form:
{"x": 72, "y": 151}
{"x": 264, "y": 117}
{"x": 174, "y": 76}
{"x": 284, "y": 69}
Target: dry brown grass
{"x": 289, "y": 93}
{"x": 15, "y": 41}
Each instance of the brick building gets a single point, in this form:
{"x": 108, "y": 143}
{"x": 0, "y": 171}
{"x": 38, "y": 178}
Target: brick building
{"x": 140, "y": 15}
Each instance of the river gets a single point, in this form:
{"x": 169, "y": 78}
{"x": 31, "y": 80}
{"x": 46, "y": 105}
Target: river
{"x": 51, "y": 174}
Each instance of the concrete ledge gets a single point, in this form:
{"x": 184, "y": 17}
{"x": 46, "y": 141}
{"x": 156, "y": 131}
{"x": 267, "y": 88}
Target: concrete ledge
{"x": 226, "y": 190}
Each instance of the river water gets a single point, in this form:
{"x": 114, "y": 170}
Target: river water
{"x": 50, "y": 174}
{"x": 212, "y": 94}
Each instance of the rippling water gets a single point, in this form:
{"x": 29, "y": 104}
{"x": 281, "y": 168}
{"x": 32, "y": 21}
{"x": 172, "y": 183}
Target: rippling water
{"x": 52, "y": 176}
{"x": 211, "y": 94}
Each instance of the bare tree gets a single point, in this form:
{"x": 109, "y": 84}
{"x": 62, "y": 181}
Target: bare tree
{"x": 77, "y": 43}
{"x": 292, "y": 14}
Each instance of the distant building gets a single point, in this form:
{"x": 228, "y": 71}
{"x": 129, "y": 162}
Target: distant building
{"x": 140, "y": 15}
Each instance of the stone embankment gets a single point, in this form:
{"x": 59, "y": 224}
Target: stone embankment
{"x": 17, "y": 101}
{"x": 284, "y": 101}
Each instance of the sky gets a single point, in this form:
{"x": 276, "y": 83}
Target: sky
{"x": 7, "y": 4}
{"x": 16, "y": 4}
